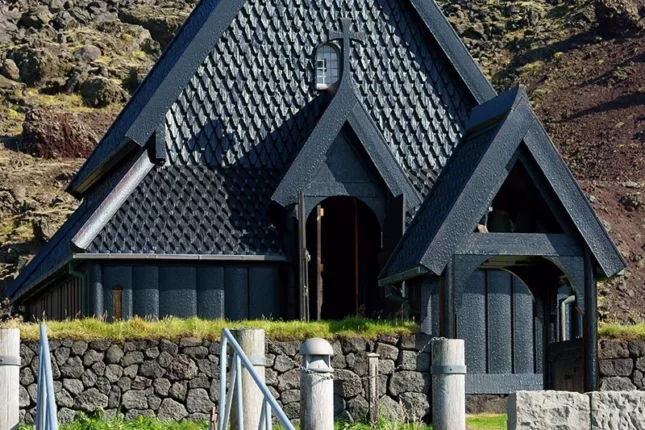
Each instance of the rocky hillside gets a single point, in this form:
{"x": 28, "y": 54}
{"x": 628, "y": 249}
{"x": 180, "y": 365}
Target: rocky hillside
{"x": 67, "y": 66}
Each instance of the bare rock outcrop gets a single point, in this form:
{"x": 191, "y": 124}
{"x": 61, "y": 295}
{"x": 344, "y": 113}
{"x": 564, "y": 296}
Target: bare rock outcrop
{"x": 620, "y": 17}
{"x": 55, "y": 134}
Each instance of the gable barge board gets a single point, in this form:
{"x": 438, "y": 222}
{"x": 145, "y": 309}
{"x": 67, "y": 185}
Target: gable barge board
{"x": 471, "y": 204}
{"x": 574, "y": 200}
{"x": 456, "y": 202}
{"x": 455, "y": 50}
{"x": 461, "y": 209}
{"x": 520, "y": 244}
{"x": 170, "y": 74}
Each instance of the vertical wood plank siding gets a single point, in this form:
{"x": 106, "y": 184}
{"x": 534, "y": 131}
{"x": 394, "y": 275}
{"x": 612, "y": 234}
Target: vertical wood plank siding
{"x": 501, "y": 324}
{"x": 59, "y": 301}
{"x": 233, "y": 291}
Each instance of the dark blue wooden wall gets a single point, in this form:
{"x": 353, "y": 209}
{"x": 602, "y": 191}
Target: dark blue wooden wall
{"x": 501, "y": 325}
{"x": 208, "y": 290}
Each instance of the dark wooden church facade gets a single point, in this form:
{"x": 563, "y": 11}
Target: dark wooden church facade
{"x": 319, "y": 159}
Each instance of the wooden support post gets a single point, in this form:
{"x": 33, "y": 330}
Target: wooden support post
{"x": 95, "y": 285}
{"x": 9, "y": 378}
{"x": 448, "y": 384}
{"x": 316, "y": 385}
{"x": 449, "y": 301}
{"x": 303, "y": 257}
{"x": 372, "y": 395}
{"x": 590, "y": 326}
{"x": 319, "y": 264}
{"x": 356, "y": 289}
{"x": 252, "y": 343}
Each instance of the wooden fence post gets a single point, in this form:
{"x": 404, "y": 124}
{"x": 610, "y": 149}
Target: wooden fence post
{"x": 9, "y": 378}
{"x": 448, "y": 384}
{"x": 316, "y": 385}
{"x": 252, "y": 343}
{"x": 373, "y": 395}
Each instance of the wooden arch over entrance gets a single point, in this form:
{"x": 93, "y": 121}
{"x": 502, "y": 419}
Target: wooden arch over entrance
{"x": 522, "y": 321}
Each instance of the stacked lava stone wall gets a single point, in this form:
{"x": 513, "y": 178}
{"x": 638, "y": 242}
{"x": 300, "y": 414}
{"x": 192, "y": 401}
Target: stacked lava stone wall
{"x": 180, "y": 380}
{"x": 622, "y": 365}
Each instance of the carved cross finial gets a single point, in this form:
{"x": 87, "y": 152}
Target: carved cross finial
{"x": 346, "y": 35}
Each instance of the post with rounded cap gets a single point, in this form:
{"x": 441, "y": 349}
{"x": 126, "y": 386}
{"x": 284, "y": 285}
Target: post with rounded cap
{"x": 316, "y": 385}
{"x": 251, "y": 341}
{"x": 448, "y": 384}
{"x": 9, "y": 378}
{"x": 372, "y": 395}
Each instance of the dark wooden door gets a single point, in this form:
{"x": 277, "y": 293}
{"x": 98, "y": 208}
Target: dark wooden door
{"x": 501, "y": 324}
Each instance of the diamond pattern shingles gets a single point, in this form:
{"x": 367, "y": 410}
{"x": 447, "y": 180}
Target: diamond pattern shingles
{"x": 195, "y": 210}
{"x": 434, "y": 210}
{"x": 253, "y": 95}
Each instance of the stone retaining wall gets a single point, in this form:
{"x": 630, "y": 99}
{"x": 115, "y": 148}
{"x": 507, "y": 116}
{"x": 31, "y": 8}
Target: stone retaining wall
{"x": 178, "y": 380}
{"x": 622, "y": 365}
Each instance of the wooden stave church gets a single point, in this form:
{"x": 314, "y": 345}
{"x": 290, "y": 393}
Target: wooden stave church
{"x": 209, "y": 194}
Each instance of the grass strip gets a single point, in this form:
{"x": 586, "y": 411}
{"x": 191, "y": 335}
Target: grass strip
{"x": 475, "y": 422}
{"x": 172, "y": 328}
{"x": 624, "y": 332}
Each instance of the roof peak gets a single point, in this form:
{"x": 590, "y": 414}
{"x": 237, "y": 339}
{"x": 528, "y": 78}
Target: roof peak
{"x": 482, "y": 162}
{"x": 345, "y": 109}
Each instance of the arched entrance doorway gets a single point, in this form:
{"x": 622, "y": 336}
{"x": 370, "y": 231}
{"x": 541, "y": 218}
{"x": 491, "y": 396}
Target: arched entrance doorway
{"x": 343, "y": 239}
{"x": 522, "y": 326}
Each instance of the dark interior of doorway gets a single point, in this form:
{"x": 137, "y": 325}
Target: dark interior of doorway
{"x": 350, "y": 243}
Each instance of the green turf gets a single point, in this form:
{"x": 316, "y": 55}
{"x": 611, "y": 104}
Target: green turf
{"x": 175, "y": 328}
{"x": 625, "y": 332}
{"x": 487, "y": 422}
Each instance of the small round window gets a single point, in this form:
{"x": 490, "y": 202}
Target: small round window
{"x": 327, "y": 66}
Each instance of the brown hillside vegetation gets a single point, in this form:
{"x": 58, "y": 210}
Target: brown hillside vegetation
{"x": 67, "y": 67}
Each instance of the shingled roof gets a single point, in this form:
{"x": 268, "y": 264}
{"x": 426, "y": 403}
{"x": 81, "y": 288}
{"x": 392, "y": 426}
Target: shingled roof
{"x": 232, "y": 99}
{"x": 217, "y": 28}
{"x": 469, "y": 182}
{"x": 344, "y": 110}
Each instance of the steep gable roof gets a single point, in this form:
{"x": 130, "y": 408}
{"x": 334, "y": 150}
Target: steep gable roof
{"x": 193, "y": 42}
{"x": 471, "y": 179}
{"x": 344, "y": 110}
{"x": 232, "y": 100}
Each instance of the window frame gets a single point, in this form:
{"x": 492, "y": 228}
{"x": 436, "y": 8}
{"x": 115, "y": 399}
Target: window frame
{"x": 324, "y": 65}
